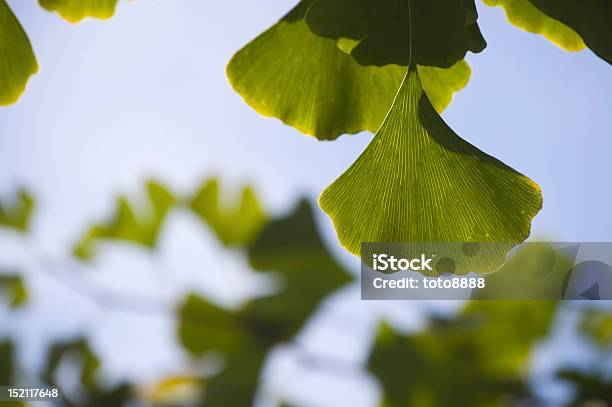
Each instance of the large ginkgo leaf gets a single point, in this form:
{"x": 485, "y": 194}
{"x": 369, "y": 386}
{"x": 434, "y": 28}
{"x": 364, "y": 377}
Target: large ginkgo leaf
{"x": 592, "y": 19}
{"x": 76, "y": 10}
{"x": 523, "y": 14}
{"x": 382, "y": 32}
{"x": 310, "y": 84}
{"x": 420, "y": 182}
{"x": 17, "y": 60}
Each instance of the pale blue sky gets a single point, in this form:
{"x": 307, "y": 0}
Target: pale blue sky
{"x": 145, "y": 94}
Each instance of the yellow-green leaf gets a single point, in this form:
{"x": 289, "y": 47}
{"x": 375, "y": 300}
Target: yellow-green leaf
{"x": 17, "y": 214}
{"x": 420, "y": 182}
{"x": 234, "y": 225}
{"x": 76, "y": 10}
{"x": 140, "y": 227}
{"x": 17, "y": 60}
{"x": 525, "y": 15}
{"x": 13, "y": 289}
{"x": 310, "y": 84}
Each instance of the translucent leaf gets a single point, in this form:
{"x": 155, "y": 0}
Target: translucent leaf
{"x": 76, "y": 10}
{"x": 17, "y": 60}
{"x": 13, "y": 289}
{"x": 307, "y": 82}
{"x": 597, "y": 325}
{"x": 141, "y": 226}
{"x": 523, "y": 14}
{"x": 17, "y": 214}
{"x": 591, "y": 19}
{"x": 424, "y": 32}
{"x": 234, "y": 225}
{"x": 476, "y": 358}
{"x": 419, "y": 182}
{"x": 291, "y": 247}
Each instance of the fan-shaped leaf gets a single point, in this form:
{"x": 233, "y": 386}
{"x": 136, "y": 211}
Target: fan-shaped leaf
{"x": 423, "y": 32}
{"x": 420, "y": 182}
{"x": 141, "y": 227}
{"x": 592, "y": 19}
{"x": 76, "y": 10}
{"x": 525, "y": 15}
{"x": 236, "y": 226}
{"x": 307, "y": 82}
{"x": 17, "y": 60}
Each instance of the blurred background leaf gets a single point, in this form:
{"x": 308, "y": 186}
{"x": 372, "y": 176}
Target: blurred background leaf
{"x": 458, "y": 361}
{"x": 140, "y": 225}
{"x": 234, "y": 223}
{"x": 291, "y": 247}
{"x": 13, "y": 290}
{"x": 16, "y": 214}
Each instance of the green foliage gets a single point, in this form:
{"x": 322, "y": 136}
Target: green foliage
{"x": 17, "y": 60}
{"x": 292, "y": 248}
{"x": 420, "y": 182}
{"x": 77, "y": 350}
{"x": 342, "y": 96}
{"x": 424, "y": 32}
{"x": 523, "y": 14}
{"x": 591, "y": 388}
{"x": 17, "y": 214}
{"x": 591, "y": 19}
{"x": 477, "y": 358}
{"x": 13, "y": 289}
{"x": 76, "y": 10}
{"x": 127, "y": 226}
{"x": 7, "y": 365}
{"x": 597, "y": 325}
{"x": 234, "y": 225}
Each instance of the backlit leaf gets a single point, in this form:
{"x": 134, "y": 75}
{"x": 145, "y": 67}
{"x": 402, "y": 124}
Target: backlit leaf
{"x": 597, "y": 326}
{"x": 523, "y": 14}
{"x": 592, "y": 19}
{"x": 307, "y": 82}
{"x": 141, "y": 225}
{"x": 76, "y": 10}
{"x": 17, "y": 214}
{"x": 234, "y": 225}
{"x": 17, "y": 60}
{"x": 419, "y": 182}
{"x": 424, "y": 32}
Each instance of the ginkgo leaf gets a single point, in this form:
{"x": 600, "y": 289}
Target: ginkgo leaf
{"x": 424, "y": 32}
{"x": 591, "y": 19}
{"x": 307, "y": 82}
{"x": 17, "y": 60}
{"x": 17, "y": 214}
{"x": 76, "y": 10}
{"x": 234, "y": 225}
{"x": 291, "y": 247}
{"x": 457, "y": 361}
{"x": 141, "y": 227}
{"x": 523, "y": 14}
{"x": 13, "y": 289}
{"x": 419, "y": 182}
